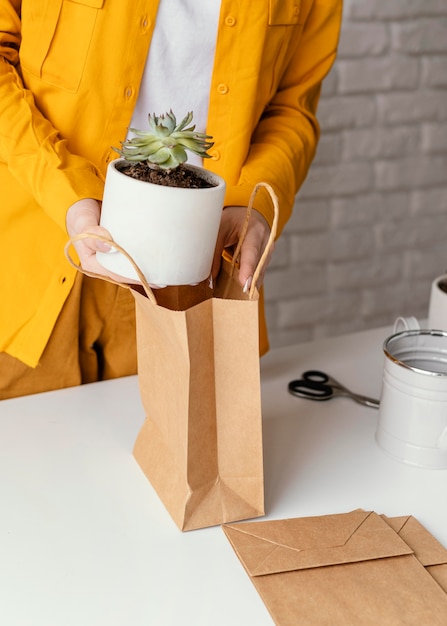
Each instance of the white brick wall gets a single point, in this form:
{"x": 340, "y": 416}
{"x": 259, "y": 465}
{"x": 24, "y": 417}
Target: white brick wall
{"x": 369, "y": 230}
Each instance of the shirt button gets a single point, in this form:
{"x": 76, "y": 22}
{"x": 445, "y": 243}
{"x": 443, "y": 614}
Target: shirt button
{"x": 214, "y": 154}
{"x": 145, "y": 22}
{"x": 222, "y": 89}
{"x": 230, "y": 20}
{"x": 296, "y": 9}
{"x": 128, "y": 92}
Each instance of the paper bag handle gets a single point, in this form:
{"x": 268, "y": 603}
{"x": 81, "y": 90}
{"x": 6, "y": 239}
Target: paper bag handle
{"x": 271, "y": 238}
{"x": 142, "y": 278}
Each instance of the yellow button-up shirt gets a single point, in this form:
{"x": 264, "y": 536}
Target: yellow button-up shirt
{"x": 70, "y": 71}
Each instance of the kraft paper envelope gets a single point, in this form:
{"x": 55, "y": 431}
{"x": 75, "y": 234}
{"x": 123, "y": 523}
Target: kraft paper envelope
{"x": 426, "y": 548}
{"x": 348, "y": 569}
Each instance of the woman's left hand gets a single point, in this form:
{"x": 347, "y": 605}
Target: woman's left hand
{"x": 258, "y": 232}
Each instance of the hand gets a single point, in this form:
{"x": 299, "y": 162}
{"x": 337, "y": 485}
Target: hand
{"x": 83, "y": 217}
{"x": 258, "y": 232}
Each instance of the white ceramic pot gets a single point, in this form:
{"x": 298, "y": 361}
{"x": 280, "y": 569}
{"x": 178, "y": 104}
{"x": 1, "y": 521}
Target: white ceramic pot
{"x": 170, "y": 232}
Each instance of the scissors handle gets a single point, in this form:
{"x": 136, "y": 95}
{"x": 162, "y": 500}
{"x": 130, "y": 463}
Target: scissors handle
{"x": 310, "y": 389}
{"x": 314, "y": 385}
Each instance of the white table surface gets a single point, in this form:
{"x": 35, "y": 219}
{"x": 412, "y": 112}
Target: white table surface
{"x": 85, "y": 541}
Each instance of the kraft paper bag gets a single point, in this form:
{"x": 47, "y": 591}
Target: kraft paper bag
{"x": 199, "y": 378}
{"x": 348, "y": 569}
{"x": 201, "y": 443}
{"x": 199, "y": 374}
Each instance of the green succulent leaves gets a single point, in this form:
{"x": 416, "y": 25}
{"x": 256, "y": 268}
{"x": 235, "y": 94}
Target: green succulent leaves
{"x": 166, "y": 143}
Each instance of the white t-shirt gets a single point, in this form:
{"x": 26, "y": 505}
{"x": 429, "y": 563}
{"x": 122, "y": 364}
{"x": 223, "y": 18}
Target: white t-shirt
{"x": 178, "y": 77}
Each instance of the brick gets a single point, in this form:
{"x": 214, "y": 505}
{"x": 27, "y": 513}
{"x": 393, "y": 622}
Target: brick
{"x": 368, "y": 272}
{"x": 355, "y": 210}
{"x": 309, "y": 215}
{"x": 421, "y": 36}
{"x": 349, "y": 112}
{"x": 412, "y": 233}
{"x": 411, "y": 172}
{"x": 329, "y": 87}
{"x": 382, "y": 74}
{"x": 416, "y": 298}
{"x": 313, "y": 311}
{"x": 429, "y": 202}
{"x": 280, "y": 338}
{"x": 329, "y": 149}
{"x": 271, "y": 315}
{"x": 434, "y": 138}
{"x": 302, "y": 311}
{"x": 343, "y": 179}
{"x": 401, "y": 108}
{"x": 309, "y": 247}
{"x": 434, "y": 71}
{"x": 380, "y": 142}
{"x": 428, "y": 263}
{"x": 383, "y": 299}
{"x": 394, "y": 9}
{"x": 351, "y": 243}
{"x": 383, "y": 319}
{"x": 430, "y": 230}
{"x": 280, "y": 256}
{"x": 294, "y": 281}
{"x": 394, "y": 205}
{"x": 359, "y": 40}
{"x": 332, "y": 329}
{"x": 343, "y": 304}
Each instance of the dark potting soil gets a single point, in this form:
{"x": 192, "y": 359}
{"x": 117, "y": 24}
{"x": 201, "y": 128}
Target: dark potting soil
{"x": 178, "y": 177}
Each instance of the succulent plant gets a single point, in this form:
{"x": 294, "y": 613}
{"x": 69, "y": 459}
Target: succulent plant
{"x": 165, "y": 144}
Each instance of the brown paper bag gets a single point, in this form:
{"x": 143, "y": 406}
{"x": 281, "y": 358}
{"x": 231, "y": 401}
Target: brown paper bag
{"x": 201, "y": 443}
{"x": 348, "y": 569}
{"x": 199, "y": 376}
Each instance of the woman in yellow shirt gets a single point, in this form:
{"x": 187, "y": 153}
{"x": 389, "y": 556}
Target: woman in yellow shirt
{"x": 70, "y": 72}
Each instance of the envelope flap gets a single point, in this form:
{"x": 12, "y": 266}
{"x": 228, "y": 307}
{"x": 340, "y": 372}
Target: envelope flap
{"x": 309, "y": 542}
{"x": 426, "y": 548}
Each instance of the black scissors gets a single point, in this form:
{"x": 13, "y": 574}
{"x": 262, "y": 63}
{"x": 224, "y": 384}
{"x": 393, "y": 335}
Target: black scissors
{"x": 316, "y": 385}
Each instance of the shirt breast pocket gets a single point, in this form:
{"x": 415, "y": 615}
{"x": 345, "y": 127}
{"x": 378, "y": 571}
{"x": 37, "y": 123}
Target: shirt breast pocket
{"x": 284, "y": 12}
{"x": 284, "y": 30}
{"x": 56, "y": 37}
